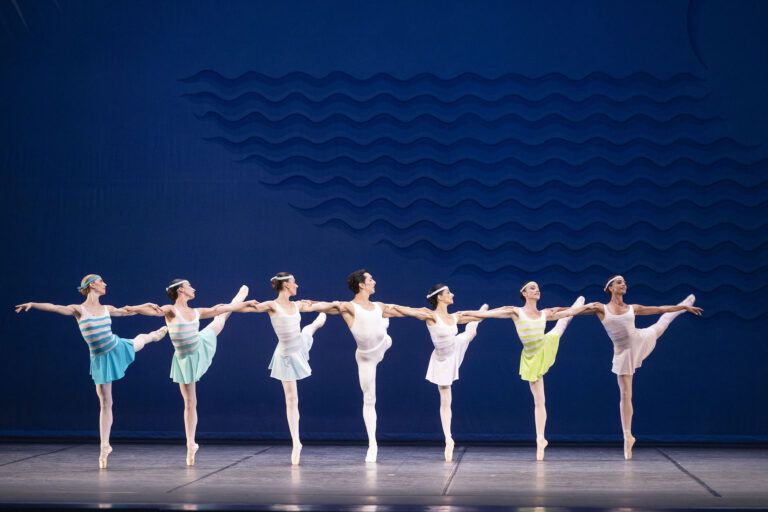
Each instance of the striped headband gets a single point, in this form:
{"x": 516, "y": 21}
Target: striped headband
{"x": 605, "y": 288}
{"x": 88, "y": 282}
{"x": 281, "y": 278}
{"x": 437, "y": 291}
{"x": 174, "y": 285}
{"x": 525, "y": 286}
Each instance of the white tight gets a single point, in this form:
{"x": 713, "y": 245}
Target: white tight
{"x": 366, "y": 371}
{"x": 445, "y": 410}
{"x": 189, "y": 393}
{"x": 292, "y": 409}
{"x": 104, "y": 391}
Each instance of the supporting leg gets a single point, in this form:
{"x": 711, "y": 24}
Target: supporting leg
{"x": 104, "y": 391}
{"x": 367, "y": 374}
{"x": 189, "y": 393}
{"x": 445, "y": 417}
{"x": 292, "y": 412}
{"x": 540, "y": 415}
{"x": 626, "y": 410}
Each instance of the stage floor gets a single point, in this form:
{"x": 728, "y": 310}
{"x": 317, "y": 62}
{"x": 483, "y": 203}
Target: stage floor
{"x": 260, "y": 476}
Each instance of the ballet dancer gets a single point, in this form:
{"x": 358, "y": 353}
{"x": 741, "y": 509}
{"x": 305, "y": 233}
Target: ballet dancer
{"x": 450, "y": 347}
{"x": 110, "y": 354}
{"x": 368, "y": 322}
{"x": 290, "y": 361}
{"x": 193, "y": 348}
{"x": 539, "y": 348}
{"x": 630, "y": 344}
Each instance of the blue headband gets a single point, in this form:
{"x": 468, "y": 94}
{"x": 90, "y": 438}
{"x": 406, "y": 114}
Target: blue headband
{"x": 88, "y": 282}
{"x": 174, "y": 285}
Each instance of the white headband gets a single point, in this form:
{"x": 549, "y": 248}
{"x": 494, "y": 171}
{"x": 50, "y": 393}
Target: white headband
{"x": 605, "y": 289}
{"x": 281, "y": 278}
{"x": 437, "y": 291}
{"x": 174, "y": 285}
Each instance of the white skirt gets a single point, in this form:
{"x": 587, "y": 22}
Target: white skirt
{"x": 630, "y": 356}
{"x": 444, "y": 370}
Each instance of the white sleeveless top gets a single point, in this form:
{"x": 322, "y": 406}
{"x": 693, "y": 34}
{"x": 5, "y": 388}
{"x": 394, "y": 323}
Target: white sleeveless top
{"x": 288, "y": 330}
{"x": 369, "y": 328}
{"x": 530, "y": 331}
{"x": 184, "y": 334}
{"x": 620, "y": 328}
{"x": 443, "y": 336}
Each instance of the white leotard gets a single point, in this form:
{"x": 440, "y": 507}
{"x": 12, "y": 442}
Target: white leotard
{"x": 443, "y": 337}
{"x": 630, "y": 344}
{"x": 370, "y": 332}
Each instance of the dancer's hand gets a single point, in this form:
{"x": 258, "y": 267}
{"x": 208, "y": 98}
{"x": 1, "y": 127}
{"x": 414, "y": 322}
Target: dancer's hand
{"x": 24, "y": 307}
{"x": 693, "y": 309}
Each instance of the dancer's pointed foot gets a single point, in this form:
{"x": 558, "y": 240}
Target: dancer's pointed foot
{"x": 241, "y": 295}
{"x": 105, "y": 451}
{"x": 373, "y": 452}
{"x": 319, "y": 321}
{"x": 472, "y": 326}
{"x": 191, "y": 451}
{"x": 158, "y": 334}
{"x": 541, "y": 445}
{"x": 296, "y": 454}
{"x": 689, "y": 300}
{"x": 629, "y": 442}
{"x": 449, "y": 444}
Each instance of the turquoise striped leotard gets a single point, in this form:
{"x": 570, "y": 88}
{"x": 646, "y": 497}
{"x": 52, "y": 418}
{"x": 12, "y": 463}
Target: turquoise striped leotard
{"x": 110, "y": 354}
{"x": 193, "y": 349}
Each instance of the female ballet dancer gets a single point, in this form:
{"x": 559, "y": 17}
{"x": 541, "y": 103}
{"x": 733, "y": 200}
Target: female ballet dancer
{"x": 110, "y": 354}
{"x": 193, "y": 348}
{"x": 450, "y": 347}
{"x": 368, "y": 322}
{"x": 630, "y": 344}
{"x": 290, "y": 361}
{"x": 539, "y": 348}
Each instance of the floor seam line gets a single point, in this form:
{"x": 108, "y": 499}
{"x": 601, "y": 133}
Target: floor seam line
{"x": 455, "y": 470}
{"x": 39, "y": 455}
{"x": 694, "y": 477}
{"x": 218, "y": 470}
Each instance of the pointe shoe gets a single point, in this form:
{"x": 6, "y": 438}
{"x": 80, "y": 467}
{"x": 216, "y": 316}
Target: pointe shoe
{"x": 241, "y": 294}
{"x": 629, "y": 442}
{"x": 449, "y": 444}
{"x": 191, "y": 451}
{"x": 105, "y": 451}
{"x": 319, "y": 321}
{"x": 373, "y": 452}
{"x": 296, "y": 455}
{"x": 689, "y": 300}
{"x": 541, "y": 445}
{"x": 159, "y": 334}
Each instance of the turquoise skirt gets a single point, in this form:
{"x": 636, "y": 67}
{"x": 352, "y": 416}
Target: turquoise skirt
{"x": 111, "y": 366}
{"x": 191, "y": 366}
{"x": 295, "y": 366}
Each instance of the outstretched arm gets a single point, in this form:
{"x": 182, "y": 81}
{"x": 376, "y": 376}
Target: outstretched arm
{"x": 311, "y": 306}
{"x": 657, "y": 310}
{"x": 558, "y": 313}
{"x": 113, "y": 311}
{"x": 249, "y": 306}
{"x": 420, "y": 313}
{"x": 71, "y": 310}
{"x": 502, "y": 312}
{"x": 389, "y": 311}
{"x": 148, "y": 309}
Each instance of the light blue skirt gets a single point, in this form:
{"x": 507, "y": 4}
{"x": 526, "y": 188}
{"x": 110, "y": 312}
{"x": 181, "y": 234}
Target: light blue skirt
{"x": 191, "y": 366}
{"x": 111, "y": 366}
{"x": 293, "y": 366}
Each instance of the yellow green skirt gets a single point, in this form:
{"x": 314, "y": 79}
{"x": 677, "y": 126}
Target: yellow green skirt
{"x": 533, "y": 367}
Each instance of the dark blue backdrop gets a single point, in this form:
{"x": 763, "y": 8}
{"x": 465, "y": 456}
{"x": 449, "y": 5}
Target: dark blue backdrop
{"x": 481, "y": 145}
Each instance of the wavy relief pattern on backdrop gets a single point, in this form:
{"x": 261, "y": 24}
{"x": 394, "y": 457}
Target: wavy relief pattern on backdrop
{"x": 551, "y": 176}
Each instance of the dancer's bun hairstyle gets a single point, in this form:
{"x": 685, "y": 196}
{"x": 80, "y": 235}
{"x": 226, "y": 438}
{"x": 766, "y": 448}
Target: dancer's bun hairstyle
{"x": 85, "y": 290}
{"x": 355, "y": 279}
{"x": 277, "y": 284}
{"x": 433, "y": 298}
{"x": 173, "y": 291}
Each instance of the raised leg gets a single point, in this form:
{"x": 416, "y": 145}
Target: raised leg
{"x": 189, "y": 393}
{"x": 142, "y": 339}
{"x": 563, "y": 322}
{"x": 292, "y": 412}
{"x": 540, "y": 415}
{"x": 664, "y": 320}
{"x": 104, "y": 391}
{"x": 218, "y": 322}
{"x": 626, "y": 410}
{"x": 314, "y": 326}
{"x": 445, "y": 417}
